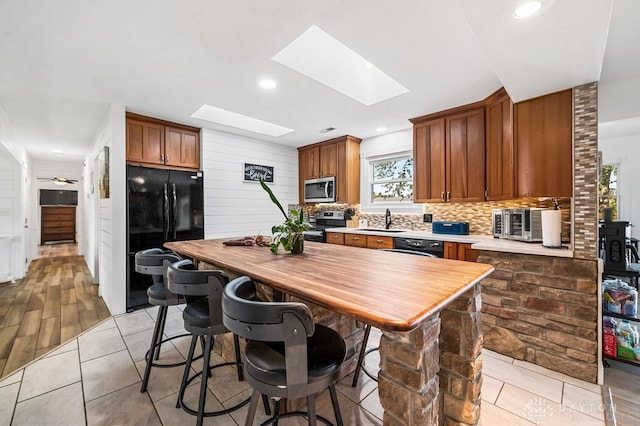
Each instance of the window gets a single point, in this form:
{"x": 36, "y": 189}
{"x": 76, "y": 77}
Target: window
{"x": 608, "y": 190}
{"x": 392, "y": 180}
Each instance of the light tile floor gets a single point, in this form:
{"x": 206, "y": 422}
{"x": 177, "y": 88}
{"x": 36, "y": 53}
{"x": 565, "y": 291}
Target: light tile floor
{"x": 95, "y": 379}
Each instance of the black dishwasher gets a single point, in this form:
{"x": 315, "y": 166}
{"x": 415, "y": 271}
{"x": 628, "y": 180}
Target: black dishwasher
{"x": 433, "y": 247}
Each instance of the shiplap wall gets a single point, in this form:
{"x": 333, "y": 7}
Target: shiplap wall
{"x": 235, "y": 208}
{"x": 105, "y": 219}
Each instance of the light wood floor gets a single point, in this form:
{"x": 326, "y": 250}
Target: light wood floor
{"x": 622, "y": 382}
{"x": 53, "y": 303}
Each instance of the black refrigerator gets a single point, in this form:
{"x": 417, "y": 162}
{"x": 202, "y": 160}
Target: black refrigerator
{"x": 162, "y": 205}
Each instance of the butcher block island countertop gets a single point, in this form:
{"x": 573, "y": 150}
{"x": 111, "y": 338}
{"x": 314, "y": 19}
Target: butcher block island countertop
{"x": 427, "y": 308}
{"x": 391, "y": 291}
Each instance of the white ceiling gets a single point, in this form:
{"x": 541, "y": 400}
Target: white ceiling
{"x": 63, "y": 62}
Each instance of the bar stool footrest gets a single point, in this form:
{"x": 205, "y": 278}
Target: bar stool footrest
{"x": 210, "y": 413}
{"x": 294, "y": 414}
{"x": 156, "y": 364}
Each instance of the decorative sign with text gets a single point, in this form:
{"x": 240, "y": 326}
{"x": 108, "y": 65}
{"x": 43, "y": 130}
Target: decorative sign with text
{"x": 253, "y": 173}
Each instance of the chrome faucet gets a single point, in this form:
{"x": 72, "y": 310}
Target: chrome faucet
{"x": 387, "y": 219}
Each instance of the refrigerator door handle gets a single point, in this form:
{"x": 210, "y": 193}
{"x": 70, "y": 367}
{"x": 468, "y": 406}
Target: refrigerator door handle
{"x": 175, "y": 210}
{"x": 166, "y": 213}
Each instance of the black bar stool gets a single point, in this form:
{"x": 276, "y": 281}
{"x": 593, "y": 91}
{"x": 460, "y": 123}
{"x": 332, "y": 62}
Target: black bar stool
{"x": 367, "y": 330}
{"x": 155, "y": 262}
{"x": 287, "y": 355}
{"x": 202, "y": 317}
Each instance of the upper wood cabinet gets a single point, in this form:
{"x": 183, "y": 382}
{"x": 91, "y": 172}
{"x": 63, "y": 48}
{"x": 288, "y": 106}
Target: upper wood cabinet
{"x": 448, "y": 150}
{"x": 162, "y": 144}
{"x": 544, "y": 146}
{"x": 145, "y": 142}
{"x": 500, "y": 166}
{"x": 429, "y": 161}
{"x": 339, "y": 157}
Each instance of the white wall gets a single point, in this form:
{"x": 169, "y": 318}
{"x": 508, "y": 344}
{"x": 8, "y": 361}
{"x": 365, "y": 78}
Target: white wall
{"x": 625, "y": 151}
{"x": 104, "y": 220}
{"x": 235, "y": 208}
{"x": 14, "y": 167}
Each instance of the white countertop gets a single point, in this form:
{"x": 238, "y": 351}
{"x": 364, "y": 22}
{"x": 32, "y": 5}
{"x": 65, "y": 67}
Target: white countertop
{"x": 479, "y": 242}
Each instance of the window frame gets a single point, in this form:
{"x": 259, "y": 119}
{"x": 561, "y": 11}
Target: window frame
{"x": 367, "y": 205}
{"x": 607, "y": 196}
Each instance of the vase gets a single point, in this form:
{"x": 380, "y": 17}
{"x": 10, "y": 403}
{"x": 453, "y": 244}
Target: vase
{"x": 298, "y": 245}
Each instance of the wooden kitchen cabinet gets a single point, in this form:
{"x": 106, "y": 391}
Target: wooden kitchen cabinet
{"x": 356, "y": 240}
{"x": 544, "y": 146}
{"x": 460, "y": 251}
{"x": 161, "y": 144}
{"x": 379, "y": 242}
{"x": 145, "y": 142}
{"x": 58, "y": 223}
{"x": 339, "y": 157}
{"x": 449, "y": 154}
{"x": 335, "y": 238}
{"x": 182, "y": 148}
{"x": 499, "y": 144}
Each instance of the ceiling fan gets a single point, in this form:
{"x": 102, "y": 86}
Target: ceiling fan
{"x": 60, "y": 180}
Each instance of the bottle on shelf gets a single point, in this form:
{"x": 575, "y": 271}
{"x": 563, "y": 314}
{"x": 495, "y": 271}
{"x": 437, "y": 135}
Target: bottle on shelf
{"x": 625, "y": 339}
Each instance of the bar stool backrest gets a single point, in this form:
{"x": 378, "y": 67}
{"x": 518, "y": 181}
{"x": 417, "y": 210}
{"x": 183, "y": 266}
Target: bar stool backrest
{"x": 183, "y": 278}
{"x": 155, "y": 262}
{"x": 288, "y": 322}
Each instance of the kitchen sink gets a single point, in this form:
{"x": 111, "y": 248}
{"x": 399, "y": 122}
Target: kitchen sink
{"x": 393, "y": 231}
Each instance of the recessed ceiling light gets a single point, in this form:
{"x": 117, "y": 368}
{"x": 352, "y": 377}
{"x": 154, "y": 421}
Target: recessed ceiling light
{"x": 527, "y": 9}
{"x": 381, "y": 129}
{"x": 57, "y": 151}
{"x": 327, "y": 130}
{"x": 239, "y": 121}
{"x": 267, "y": 83}
{"x": 319, "y": 56}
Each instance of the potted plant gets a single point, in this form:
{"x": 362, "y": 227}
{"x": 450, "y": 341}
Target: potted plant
{"x": 289, "y": 234}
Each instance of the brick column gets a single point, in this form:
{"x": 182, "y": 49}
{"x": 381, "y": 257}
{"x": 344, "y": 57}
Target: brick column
{"x": 461, "y": 359}
{"x": 408, "y": 378}
{"x": 432, "y": 375}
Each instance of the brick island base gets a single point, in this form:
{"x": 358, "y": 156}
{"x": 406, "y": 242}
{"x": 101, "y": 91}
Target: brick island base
{"x": 429, "y": 376}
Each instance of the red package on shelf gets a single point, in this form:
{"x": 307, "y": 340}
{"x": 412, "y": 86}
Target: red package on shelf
{"x": 609, "y": 344}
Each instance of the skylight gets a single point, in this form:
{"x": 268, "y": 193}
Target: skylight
{"x": 239, "y": 121}
{"x": 317, "y": 55}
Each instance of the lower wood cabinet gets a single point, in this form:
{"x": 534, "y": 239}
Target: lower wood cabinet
{"x": 460, "y": 251}
{"x": 335, "y": 238}
{"x": 58, "y": 224}
{"x": 378, "y": 242}
{"x": 356, "y": 240}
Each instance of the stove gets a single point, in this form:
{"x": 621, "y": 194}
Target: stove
{"x": 324, "y": 220}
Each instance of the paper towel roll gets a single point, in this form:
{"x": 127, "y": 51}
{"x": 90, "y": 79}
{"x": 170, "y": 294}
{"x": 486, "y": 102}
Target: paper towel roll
{"x": 551, "y": 228}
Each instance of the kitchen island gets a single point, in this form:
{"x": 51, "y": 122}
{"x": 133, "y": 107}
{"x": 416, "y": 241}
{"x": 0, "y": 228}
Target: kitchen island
{"x": 428, "y": 310}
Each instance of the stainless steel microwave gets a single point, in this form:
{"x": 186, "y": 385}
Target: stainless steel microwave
{"x": 322, "y": 190}
{"x": 518, "y": 224}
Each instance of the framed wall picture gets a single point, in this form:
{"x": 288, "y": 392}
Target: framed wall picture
{"x": 253, "y": 173}
{"x": 104, "y": 172}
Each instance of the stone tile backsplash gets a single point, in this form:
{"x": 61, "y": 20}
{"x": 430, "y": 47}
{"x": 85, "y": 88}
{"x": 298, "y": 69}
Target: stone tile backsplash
{"x": 477, "y": 214}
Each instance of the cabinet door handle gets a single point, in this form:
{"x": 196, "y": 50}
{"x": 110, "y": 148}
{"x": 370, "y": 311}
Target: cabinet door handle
{"x": 355, "y": 238}
{"x": 486, "y": 195}
{"x": 442, "y": 196}
{"x": 379, "y": 241}
{"x": 448, "y": 195}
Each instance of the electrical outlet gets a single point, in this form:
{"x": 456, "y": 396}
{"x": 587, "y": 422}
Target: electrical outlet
{"x": 5, "y": 212}
{"x": 427, "y": 218}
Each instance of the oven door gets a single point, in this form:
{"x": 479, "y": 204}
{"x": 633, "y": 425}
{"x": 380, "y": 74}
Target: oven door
{"x": 515, "y": 225}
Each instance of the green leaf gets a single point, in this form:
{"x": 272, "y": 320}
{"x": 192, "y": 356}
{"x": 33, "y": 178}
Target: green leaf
{"x": 273, "y": 197}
